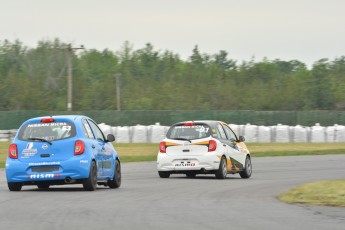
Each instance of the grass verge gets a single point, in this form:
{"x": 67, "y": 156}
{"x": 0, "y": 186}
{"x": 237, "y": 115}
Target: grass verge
{"x": 328, "y": 193}
{"x": 148, "y": 151}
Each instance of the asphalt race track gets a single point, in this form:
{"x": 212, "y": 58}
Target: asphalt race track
{"x": 145, "y": 201}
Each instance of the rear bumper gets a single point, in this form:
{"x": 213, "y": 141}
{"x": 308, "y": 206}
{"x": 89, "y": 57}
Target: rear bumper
{"x": 208, "y": 162}
{"x": 32, "y": 172}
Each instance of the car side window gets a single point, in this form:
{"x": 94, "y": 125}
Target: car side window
{"x": 229, "y": 133}
{"x": 97, "y": 132}
{"x": 87, "y": 130}
{"x": 220, "y": 132}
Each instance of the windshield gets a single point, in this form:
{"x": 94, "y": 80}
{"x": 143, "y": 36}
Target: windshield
{"x": 47, "y": 131}
{"x": 181, "y": 132}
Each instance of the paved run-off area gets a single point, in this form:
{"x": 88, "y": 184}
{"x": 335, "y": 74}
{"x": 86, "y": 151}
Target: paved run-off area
{"x": 146, "y": 201}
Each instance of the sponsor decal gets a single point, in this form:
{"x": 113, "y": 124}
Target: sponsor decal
{"x": 202, "y": 129}
{"x": 84, "y": 161}
{"x": 66, "y": 128}
{"x": 29, "y": 145}
{"x": 187, "y": 164}
{"x": 44, "y": 176}
{"x": 29, "y": 151}
{"x": 44, "y": 163}
{"x": 48, "y": 124}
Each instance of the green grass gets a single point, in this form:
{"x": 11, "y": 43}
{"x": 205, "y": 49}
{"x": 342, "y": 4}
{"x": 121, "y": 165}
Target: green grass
{"x": 148, "y": 151}
{"x": 328, "y": 193}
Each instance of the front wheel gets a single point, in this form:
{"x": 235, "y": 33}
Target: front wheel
{"x": 90, "y": 184}
{"x": 222, "y": 171}
{"x": 163, "y": 174}
{"x": 116, "y": 181}
{"x": 247, "y": 171}
{"x": 13, "y": 186}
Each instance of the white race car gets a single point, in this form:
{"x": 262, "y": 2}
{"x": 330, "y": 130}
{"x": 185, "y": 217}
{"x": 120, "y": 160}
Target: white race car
{"x": 203, "y": 147}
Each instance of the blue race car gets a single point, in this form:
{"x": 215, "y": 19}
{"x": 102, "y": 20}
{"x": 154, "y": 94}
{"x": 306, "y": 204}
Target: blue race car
{"x": 61, "y": 150}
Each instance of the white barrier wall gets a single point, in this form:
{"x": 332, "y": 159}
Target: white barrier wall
{"x": 317, "y": 133}
{"x": 157, "y": 133}
{"x": 300, "y": 133}
{"x": 282, "y": 133}
{"x": 139, "y": 134}
{"x": 123, "y": 134}
{"x": 264, "y": 134}
{"x": 252, "y": 133}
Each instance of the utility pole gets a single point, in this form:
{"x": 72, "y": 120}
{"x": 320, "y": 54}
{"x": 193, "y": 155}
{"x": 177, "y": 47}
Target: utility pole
{"x": 118, "y": 93}
{"x": 69, "y": 76}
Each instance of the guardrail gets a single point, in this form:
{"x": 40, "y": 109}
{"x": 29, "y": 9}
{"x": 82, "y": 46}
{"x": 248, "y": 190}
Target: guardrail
{"x": 253, "y": 133}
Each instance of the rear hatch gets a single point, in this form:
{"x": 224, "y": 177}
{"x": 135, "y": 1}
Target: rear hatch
{"x": 41, "y": 142}
{"x": 188, "y": 139}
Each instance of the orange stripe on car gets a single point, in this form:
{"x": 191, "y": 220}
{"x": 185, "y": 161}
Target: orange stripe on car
{"x": 201, "y": 143}
{"x": 171, "y": 144}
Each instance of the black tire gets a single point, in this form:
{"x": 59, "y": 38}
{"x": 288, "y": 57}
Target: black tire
{"x": 191, "y": 174}
{"x": 90, "y": 184}
{"x": 13, "y": 186}
{"x": 222, "y": 172}
{"x": 116, "y": 181}
{"x": 247, "y": 171}
{"x": 43, "y": 186}
{"x": 163, "y": 174}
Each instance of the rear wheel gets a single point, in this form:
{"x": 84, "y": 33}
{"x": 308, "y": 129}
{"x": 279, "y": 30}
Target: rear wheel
{"x": 163, "y": 174}
{"x": 13, "y": 186}
{"x": 222, "y": 171}
{"x": 116, "y": 181}
{"x": 247, "y": 171}
{"x": 90, "y": 184}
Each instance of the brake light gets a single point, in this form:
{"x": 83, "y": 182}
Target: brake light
{"x": 79, "y": 147}
{"x": 47, "y": 120}
{"x": 13, "y": 151}
{"x": 189, "y": 123}
{"x": 162, "y": 147}
{"x": 212, "y": 145}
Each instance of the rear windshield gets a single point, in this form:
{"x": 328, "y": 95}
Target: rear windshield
{"x": 48, "y": 131}
{"x": 189, "y": 132}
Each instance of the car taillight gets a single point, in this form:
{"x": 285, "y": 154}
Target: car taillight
{"x": 162, "y": 147}
{"x": 79, "y": 147}
{"x": 212, "y": 145}
{"x": 13, "y": 151}
{"x": 189, "y": 123}
{"x": 47, "y": 120}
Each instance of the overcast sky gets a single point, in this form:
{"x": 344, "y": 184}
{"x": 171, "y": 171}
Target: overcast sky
{"x": 306, "y": 30}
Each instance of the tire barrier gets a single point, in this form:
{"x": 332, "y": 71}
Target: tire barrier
{"x": 253, "y": 133}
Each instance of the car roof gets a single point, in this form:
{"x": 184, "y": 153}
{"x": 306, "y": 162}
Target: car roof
{"x": 209, "y": 122}
{"x": 58, "y": 117}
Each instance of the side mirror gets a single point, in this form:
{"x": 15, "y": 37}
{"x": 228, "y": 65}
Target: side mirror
{"x": 110, "y": 138}
{"x": 241, "y": 138}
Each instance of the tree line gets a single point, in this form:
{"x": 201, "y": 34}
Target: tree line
{"x": 150, "y": 79}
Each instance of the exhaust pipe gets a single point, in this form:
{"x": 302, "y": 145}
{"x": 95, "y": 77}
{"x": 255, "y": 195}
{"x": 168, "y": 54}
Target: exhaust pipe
{"x": 68, "y": 180}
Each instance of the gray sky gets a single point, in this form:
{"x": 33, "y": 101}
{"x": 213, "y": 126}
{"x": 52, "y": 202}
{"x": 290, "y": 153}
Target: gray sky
{"x": 306, "y": 30}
